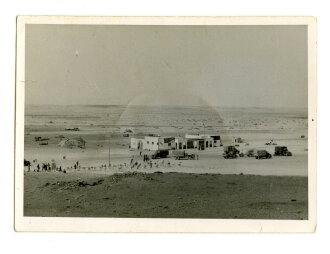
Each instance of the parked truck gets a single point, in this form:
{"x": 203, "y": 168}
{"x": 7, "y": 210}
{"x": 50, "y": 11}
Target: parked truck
{"x": 160, "y": 154}
{"x": 263, "y": 154}
{"x": 230, "y": 152}
{"x": 282, "y": 151}
{"x": 182, "y": 155}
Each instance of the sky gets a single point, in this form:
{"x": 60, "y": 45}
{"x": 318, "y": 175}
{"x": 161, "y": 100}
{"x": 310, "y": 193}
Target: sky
{"x": 235, "y": 66}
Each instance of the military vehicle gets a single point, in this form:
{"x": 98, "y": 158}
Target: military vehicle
{"x": 263, "y": 154}
{"x": 282, "y": 151}
{"x": 250, "y": 153}
{"x": 160, "y": 154}
{"x": 182, "y": 155}
{"x": 230, "y": 152}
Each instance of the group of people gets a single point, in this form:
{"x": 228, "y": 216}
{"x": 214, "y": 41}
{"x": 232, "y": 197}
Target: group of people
{"x": 47, "y": 167}
{"x": 148, "y": 163}
{"x": 135, "y": 163}
{"x": 146, "y": 158}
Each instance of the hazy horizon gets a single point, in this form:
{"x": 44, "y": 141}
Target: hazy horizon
{"x": 123, "y": 105}
{"x": 220, "y": 66}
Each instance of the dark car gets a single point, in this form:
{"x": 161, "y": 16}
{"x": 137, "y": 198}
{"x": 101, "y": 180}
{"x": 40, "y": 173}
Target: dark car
{"x": 263, "y": 154}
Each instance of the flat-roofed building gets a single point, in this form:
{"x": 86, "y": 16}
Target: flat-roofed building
{"x": 137, "y": 143}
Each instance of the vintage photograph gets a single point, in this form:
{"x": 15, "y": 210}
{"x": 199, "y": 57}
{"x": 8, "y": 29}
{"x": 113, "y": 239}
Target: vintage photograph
{"x": 166, "y": 121}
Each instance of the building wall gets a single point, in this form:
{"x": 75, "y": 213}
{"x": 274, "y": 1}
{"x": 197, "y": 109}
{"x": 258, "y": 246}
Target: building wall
{"x": 164, "y": 143}
{"x": 216, "y": 140}
{"x": 137, "y": 143}
{"x": 187, "y": 142}
{"x": 180, "y": 143}
{"x": 192, "y": 136}
{"x": 208, "y": 142}
{"x": 151, "y": 143}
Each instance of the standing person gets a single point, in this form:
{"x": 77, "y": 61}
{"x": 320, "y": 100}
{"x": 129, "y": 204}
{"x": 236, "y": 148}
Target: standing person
{"x": 38, "y": 168}
{"x": 60, "y": 168}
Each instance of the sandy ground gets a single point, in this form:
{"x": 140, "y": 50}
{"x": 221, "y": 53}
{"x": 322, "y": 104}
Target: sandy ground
{"x": 210, "y": 161}
{"x": 167, "y": 195}
{"x": 210, "y": 187}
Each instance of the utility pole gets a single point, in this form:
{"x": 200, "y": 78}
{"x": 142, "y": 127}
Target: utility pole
{"x": 109, "y": 151}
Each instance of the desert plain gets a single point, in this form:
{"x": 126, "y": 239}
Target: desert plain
{"x": 210, "y": 187}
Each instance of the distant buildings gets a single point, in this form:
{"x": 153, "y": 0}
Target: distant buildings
{"x": 189, "y": 141}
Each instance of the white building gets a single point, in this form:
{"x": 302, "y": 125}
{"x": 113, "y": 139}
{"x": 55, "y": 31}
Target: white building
{"x": 198, "y": 141}
{"x": 157, "y": 143}
{"x": 137, "y": 143}
{"x": 151, "y": 143}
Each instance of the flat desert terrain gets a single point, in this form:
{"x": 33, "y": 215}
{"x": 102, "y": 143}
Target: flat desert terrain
{"x": 210, "y": 187}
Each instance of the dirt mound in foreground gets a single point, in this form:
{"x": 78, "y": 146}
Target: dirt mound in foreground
{"x": 167, "y": 195}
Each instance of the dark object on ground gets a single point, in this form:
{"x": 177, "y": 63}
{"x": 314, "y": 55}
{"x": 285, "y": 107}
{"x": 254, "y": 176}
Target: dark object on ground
{"x": 241, "y": 155}
{"x": 73, "y": 142}
{"x": 182, "y": 155}
{"x": 282, "y": 151}
{"x": 126, "y": 135}
{"x": 302, "y": 136}
{"x": 158, "y": 172}
{"x": 263, "y": 154}
{"x": 27, "y": 163}
{"x": 250, "y": 153}
{"x": 271, "y": 143}
{"x": 40, "y": 139}
{"x": 239, "y": 140}
{"x": 83, "y": 183}
{"x": 72, "y": 129}
{"x": 230, "y": 152}
{"x": 43, "y": 143}
{"x": 160, "y": 154}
